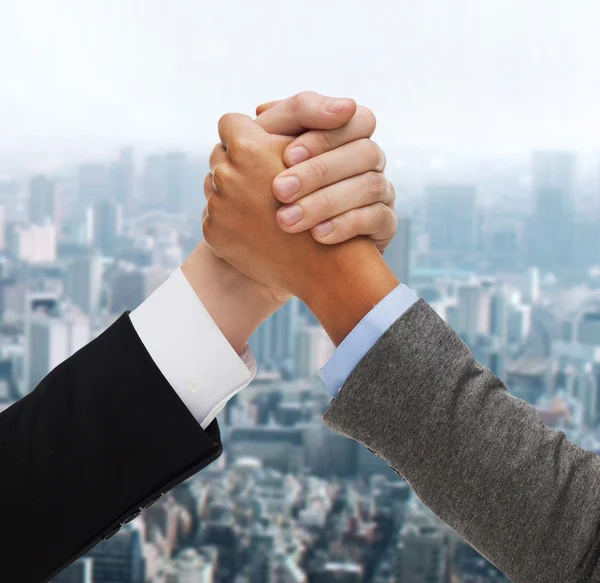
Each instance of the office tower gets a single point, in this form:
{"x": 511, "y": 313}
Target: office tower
{"x": 119, "y": 559}
{"x": 82, "y": 571}
{"x": 345, "y": 572}
{"x": 165, "y": 182}
{"x": 397, "y": 254}
{"x": 274, "y": 343}
{"x": 473, "y": 312}
{"x": 35, "y": 243}
{"x": 553, "y": 208}
{"x": 84, "y": 282}
{"x": 52, "y": 337}
{"x": 532, "y": 286}
{"x": 499, "y": 315}
{"x": 2, "y": 227}
{"x": 108, "y": 226}
{"x": 422, "y": 553}
{"x": 131, "y": 286}
{"x": 43, "y": 207}
{"x": 193, "y": 566}
{"x": 314, "y": 350}
{"x": 93, "y": 184}
{"x": 280, "y": 448}
{"x": 122, "y": 179}
{"x": 451, "y": 218}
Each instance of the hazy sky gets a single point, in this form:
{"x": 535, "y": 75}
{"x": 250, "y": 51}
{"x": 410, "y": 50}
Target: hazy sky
{"x": 494, "y": 75}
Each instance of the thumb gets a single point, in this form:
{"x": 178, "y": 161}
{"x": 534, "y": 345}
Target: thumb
{"x": 306, "y": 111}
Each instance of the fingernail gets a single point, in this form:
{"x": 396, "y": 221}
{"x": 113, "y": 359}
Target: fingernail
{"x": 335, "y": 105}
{"x": 323, "y": 229}
{"x": 287, "y": 185}
{"x": 290, "y": 215}
{"x": 298, "y": 154}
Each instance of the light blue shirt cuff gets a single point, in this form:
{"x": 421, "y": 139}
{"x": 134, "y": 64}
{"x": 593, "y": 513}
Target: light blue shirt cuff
{"x": 364, "y": 336}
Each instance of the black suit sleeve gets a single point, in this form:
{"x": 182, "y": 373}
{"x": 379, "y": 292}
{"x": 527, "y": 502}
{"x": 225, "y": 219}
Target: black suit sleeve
{"x": 102, "y": 436}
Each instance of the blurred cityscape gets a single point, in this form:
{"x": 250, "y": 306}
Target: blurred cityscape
{"x": 507, "y": 252}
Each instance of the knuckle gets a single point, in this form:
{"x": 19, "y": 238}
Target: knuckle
{"x": 391, "y": 194}
{"x": 367, "y": 119}
{"x": 319, "y": 169}
{"x": 241, "y": 147}
{"x": 376, "y": 184}
{"x": 221, "y": 176}
{"x": 327, "y": 199}
{"x": 387, "y": 217}
{"x": 323, "y": 141}
{"x": 225, "y": 120}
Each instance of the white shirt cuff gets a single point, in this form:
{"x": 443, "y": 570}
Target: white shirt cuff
{"x": 190, "y": 350}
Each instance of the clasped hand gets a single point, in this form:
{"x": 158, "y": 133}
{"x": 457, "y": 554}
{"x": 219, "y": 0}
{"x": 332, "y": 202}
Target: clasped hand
{"x": 298, "y": 192}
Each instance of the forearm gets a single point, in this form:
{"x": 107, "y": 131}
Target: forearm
{"x": 348, "y": 283}
{"x": 235, "y": 303}
{"x": 519, "y": 492}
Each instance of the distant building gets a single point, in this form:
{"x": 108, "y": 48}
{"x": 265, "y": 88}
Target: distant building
{"x": 553, "y": 208}
{"x": 131, "y": 286}
{"x": 122, "y": 179}
{"x": 52, "y": 338}
{"x": 84, "y": 282}
{"x": 93, "y": 183}
{"x": 43, "y": 204}
{"x": 193, "y": 566}
{"x": 35, "y": 244}
{"x": 422, "y": 553}
{"x": 314, "y": 350}
{"x": 451, "y": 218}
{"x": 108, "y": 226}
{"x": 397, "y": 254}
{"x": 81, "y": 571}
{"x": 119, "y": 559}
{"x": 274, "y": 343}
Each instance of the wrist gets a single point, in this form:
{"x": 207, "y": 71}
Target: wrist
{"x": 237, "y": 304}
{"x": 347, "y": 283}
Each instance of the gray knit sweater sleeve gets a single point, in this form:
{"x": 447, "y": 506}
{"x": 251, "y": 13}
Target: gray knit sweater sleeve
{"x": 519, "y": 492}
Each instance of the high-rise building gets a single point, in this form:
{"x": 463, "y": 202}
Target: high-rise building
{"x": 451, "y": 218}
{"x": 93, "y": 183}
{"x": 474, "y": 307}
{"x": 274, "y": 343}
{"x": 193, "y": 566}
{"x": 422, "y": 553}
{"x": 119, "y": 559}
{"x": 553, "y": 208}
{"x": 166, "y": 181}
{"x": 35, "y": 243}
{"x": 82, "y": 571}
{"x": 84, "y": 282}
{"x": 314, "y": 350}
{"x": 108, "y": 226}
{"x": 132, "y": 286}
{"x": 52, "y": 338}
{"x": 2, "y": 227}
{"x": 122, "y": 179}
{"x": 397, "y": 254}
{"x": 43, "y": 207}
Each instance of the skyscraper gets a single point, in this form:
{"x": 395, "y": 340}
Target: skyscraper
{"x": 166, "y": 181}
{"x": 397, "y": 254}
{"x": 119, "y": 559}
{"x": 43, "y": 206}
{"x": 93, "y": 183}
{"x": 84, "y": 282}
{"x": 108, "y": 226}
{"x": 553, "y": 208}
{"x": 52, "y": 338}
{"x": 274, "y": 343}
{"x": 451, "y": 218}
{"x": 122, "y": 179}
